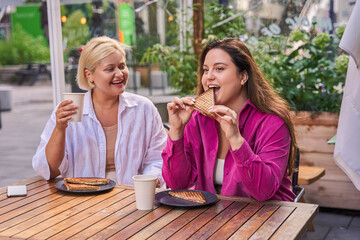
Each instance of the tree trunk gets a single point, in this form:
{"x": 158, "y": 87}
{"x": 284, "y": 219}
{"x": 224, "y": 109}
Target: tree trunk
{"x": 198, "y": 23}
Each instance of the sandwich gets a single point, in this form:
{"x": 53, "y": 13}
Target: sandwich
{"x": 88, "y": 181}
{"x": 84, "y": 184}
{"x": 193, "y": 196}
{"x": 204, "y": 101}
{"x": 80, "y": 187}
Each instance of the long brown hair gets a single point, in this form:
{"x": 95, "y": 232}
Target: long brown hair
{"x": 259, "y": 90}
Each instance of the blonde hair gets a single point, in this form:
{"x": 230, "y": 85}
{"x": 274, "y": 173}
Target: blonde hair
{"x": 259, "y": 90}
{"x": 93, "y": 52}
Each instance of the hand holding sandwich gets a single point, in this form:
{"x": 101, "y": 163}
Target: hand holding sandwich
{"x": 179, "y": 115}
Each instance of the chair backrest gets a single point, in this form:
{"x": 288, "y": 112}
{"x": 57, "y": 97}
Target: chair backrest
{"x": 299, "y": 191}
{"x": 166, "y": 126}
{"x": 295, "y": 175}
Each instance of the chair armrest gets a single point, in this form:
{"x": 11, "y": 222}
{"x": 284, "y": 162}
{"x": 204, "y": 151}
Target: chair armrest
{"x": 300, "y": 192}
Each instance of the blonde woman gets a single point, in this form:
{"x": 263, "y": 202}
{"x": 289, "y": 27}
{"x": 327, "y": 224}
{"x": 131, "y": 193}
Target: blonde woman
{"x": 121, "y": 133}
{"x": 248, "y": 149}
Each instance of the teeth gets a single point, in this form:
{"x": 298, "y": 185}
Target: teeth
{"x": 117, "y": 82}
{"x": 213, "y": 86}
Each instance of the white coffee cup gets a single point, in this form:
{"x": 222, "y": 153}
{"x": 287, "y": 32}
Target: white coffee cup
{"x": 145, "y": 186}
{"x": 78, "y": 100}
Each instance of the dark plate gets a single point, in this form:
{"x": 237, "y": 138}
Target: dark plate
{"x": 60, "y": 185}
{"x": 166, "y": 199}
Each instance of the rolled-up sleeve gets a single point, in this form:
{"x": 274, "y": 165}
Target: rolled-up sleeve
{"x": 39, "y": 161}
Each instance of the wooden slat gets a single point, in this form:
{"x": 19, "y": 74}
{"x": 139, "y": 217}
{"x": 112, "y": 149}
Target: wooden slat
{"x": 122, "y": 200}
{"x": 32, "y": 189}
{"x": 158, "y": 225}
{"x": 310, "y": 118}
{"x": 62, "y": 227}
{"x": 237, "y": 221}
{"x": 301, "y": 216}
{"x": 119, "y": 225}
{"x": 201, "y": 220}
{"x": 207, "y": 230}
{"x": 16, "y": 220}
{"x": 314, "y": 138}
{"x": 64, "y": 219}
{"x": 178, "y": 223}
{"x": 133, "y": 228}
{"x": 333, "y": 194}
{"x": 308, "y": 175}
{"x": 273, "y": 223}
{"x": 250, "y": 227}
{"x": 36, "y": 216}
{"x": 26, "y": 204}
{"x": 27, "y": 181}
{"x": 324, "y": 160}
{"x": 108, "y": 221}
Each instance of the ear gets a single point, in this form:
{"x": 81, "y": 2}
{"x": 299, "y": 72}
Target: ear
{"x": 88, "y": 75}
{"x": 244, "y": 78}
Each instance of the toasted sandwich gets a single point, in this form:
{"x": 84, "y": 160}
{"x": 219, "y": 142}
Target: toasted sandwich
{"x": 204, "y": 101}
{"x": 79, "y": 187}
{"x": 193, "y": 196}
{"x": 88, "y": 181}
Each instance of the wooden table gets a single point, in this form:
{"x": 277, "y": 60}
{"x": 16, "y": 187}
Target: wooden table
{"x": 47, "y": 213}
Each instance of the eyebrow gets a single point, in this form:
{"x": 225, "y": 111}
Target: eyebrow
{"x": 113, "y": 64}
{"x": 218, "y": 63}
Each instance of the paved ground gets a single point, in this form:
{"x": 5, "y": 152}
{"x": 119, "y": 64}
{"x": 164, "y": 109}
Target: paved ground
{"x": 31, "y": 108}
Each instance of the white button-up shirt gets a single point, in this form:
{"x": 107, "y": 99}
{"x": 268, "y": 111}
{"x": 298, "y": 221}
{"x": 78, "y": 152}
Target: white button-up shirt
{"x": 139, "y": 143}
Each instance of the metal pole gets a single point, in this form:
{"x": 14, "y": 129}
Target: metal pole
{"x": 332, "y": 16}
{"x": 56, "y": 50}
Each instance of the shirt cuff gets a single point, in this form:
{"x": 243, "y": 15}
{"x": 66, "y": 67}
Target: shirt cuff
{"x": 171, "y": 148}
{"x": 243, "y": 155}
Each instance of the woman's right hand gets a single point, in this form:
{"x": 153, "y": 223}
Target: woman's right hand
{"x": 63, "y": 113}
{"x": 179, "y": 115}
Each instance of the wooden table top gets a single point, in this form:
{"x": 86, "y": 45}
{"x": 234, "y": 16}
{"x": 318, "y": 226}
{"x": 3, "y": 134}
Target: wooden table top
{"x": 48, "y": 213}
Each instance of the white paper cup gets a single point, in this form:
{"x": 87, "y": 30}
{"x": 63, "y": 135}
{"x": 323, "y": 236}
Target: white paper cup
{"x": 78, "y": 100}
{"x": 144, "y": 191}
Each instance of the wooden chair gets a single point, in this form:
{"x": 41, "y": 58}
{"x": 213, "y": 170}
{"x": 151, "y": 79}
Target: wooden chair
{"x": 304, "y": 176}
{"x": 310, "y": 174}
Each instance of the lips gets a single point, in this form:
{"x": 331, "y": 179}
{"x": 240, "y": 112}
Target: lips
{"x": 117, "y": 82}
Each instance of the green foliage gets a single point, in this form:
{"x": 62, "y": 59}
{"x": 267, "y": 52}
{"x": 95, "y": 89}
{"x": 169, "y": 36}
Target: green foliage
{"x": 216, "y": 13}
{"x": 142, "y": 43}
{"x": 22, "y": 48}
{"x": 310, "y": 77}
{"x": 182, "y": 65}
{"x": 75, "y": 34}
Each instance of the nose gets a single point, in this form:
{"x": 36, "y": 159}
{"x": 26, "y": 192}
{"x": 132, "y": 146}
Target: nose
{"x": 119, "y": 72}
{"x": 210, "y": 75}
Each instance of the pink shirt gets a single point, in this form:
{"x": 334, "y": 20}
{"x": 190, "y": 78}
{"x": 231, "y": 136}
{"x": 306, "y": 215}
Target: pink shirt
{"x": 257, "y": 169}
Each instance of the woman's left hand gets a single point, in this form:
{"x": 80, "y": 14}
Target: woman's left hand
{"x": 229, "y": 124}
